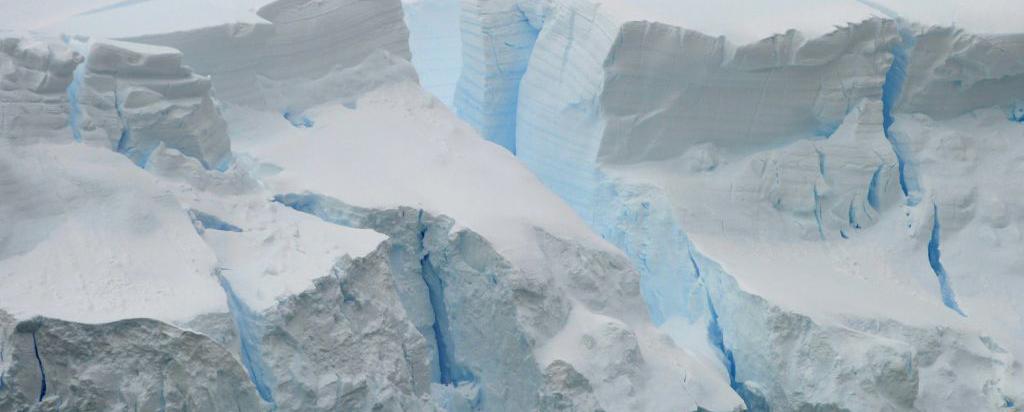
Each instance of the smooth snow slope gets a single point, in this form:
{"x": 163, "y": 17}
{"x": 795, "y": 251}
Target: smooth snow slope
{"x": 91, "y": 238}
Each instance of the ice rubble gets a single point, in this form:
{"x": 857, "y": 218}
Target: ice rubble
{"x": 132, "y": 97}
{"x": 35, "y": 76}
{"x": 776, "y": 167}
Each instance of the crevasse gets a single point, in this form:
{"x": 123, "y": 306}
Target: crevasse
{"x": 249, "y": 336}
{"x": 934, "y": 256}
{"x": 75, "y": 110}
{"x": 450, "y": 372}
{"x": 42, "y": 371}
{"x": 892, "y": 89}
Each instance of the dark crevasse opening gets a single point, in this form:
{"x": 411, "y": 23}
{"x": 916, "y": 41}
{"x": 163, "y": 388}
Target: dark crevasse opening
{"x": 435, "y": 289}
{"x": 450, "y": 373}
{"x": 249, "y": 336}
{"x": 873, "y": 199}
{"x": 753, "y": 401}
{"x": 298, "y": 120}
{"x": 817, "y": 213}
{"x": 892, "y": 90}
{"x": 934, "y": 256}
{"x": 74, "y": 109}
{"x": 42, "y": 372}
{"x": 208, "y": 221}
{"x": 322, "y": 207}
{"x": 126, "y": 131}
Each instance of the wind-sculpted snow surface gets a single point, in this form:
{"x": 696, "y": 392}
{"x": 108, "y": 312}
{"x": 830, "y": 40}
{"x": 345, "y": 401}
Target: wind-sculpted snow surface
{"x": 257, "y": 64}
{"x": 89, "y": 237}
{"x": 953, "y": 72}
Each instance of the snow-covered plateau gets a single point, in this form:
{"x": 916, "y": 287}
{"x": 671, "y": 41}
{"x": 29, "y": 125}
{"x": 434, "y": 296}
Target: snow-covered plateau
{"x": 511, "y": 205}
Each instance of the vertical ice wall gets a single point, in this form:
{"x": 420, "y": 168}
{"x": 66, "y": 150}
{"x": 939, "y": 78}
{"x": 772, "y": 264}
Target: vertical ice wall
{"x": 497, "y": 40}
{"x": 601, "y": 95}
{"x": 435, "y": 40}
{"x": 601, "y": 90}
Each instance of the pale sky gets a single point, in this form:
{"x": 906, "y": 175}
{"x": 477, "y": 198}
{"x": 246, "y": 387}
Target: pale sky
{"x": 741, "y": 20}
{"x": 750, "y": 20}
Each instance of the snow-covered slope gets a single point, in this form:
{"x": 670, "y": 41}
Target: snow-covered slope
{"x": 380, "y": 255}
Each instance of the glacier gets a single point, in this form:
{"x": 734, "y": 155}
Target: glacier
{"x": 787, "y": 151}
{"x": 498, "y": 205}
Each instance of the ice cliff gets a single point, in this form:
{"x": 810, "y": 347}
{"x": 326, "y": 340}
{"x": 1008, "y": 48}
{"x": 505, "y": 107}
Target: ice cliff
{"x": 270, "y": 282}
{"x": 764, "y": 178}
{"x": 132, "y": 97}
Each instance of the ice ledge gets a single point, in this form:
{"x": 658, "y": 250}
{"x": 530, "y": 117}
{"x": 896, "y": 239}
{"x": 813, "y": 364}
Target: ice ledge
{"x": 134, "y": 97}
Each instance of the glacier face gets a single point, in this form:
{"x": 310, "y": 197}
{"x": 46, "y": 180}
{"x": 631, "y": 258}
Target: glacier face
{"x": 445, "y": 303}
{"x": 765, "y": 153}
{"x": 261, "y": 209}
{"x": 435, "y": 41}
